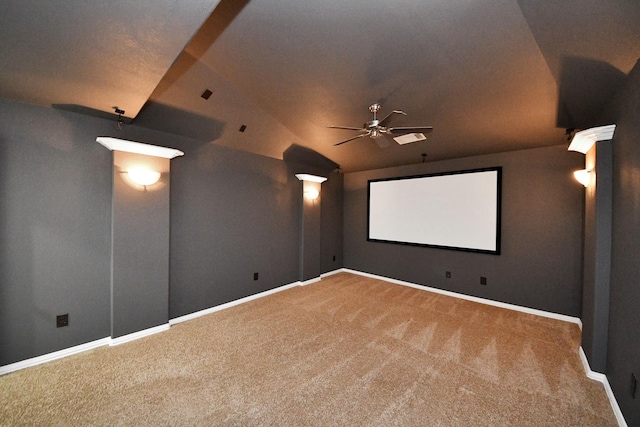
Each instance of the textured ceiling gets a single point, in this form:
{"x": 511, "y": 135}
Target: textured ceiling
{"x": 489, "y": 76}
{"x": 92, "y": 55}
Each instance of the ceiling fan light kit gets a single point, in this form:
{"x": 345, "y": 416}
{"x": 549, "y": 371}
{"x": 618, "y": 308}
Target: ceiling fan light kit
{"x": 410, "y": 138}
{"x": 382, "y": 133}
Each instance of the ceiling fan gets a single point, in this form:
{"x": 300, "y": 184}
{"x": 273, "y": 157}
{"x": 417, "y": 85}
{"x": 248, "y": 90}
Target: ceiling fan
{"x": 382, "y": 133}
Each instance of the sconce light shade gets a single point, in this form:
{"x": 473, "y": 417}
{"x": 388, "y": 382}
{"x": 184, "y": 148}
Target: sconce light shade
{"x": 583, "y": 176}
{"x": 312, "y": 178}
{"x": 312, "y": 194}
{"x": 143, "y": 176}
{"x": 584, "y": 140}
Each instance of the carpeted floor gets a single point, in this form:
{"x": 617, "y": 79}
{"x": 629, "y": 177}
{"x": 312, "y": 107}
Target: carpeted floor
{"x": 348, "y": 351}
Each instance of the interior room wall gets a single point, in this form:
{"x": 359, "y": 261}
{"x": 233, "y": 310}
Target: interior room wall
{"x": 232, "y": 214}
{"x": 541, "y": 234}
{"x": 55, "y": 243}
{"x": 623, "y": 356}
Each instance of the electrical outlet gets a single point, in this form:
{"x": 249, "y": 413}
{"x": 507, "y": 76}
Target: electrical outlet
{"x": 334, "y": 257}
{"x": 634, "y": 383}
{"x": 483, "y": 280}
{"x": 255, "y": 276}
{"x": 447, "y": 274}
{"x": 62, "y": 320}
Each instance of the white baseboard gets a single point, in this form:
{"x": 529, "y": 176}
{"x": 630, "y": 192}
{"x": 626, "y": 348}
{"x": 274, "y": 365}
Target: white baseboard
{"x": 136, "y": 335}
{"x": 590, "y": 374}
{"x": 206, "y": 311}
{"x": 27, "y": 363}
{"x": 130, "y": 337}
{"x": 310, "y": 281}
{"x": 602, "y": 378}
{"x": 331, "y": 273}
{"x": 53, "y": 356}
{"x": 514, "y": 307}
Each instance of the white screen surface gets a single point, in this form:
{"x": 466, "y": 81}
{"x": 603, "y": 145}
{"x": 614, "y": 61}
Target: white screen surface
{"x": 457, "y": 210}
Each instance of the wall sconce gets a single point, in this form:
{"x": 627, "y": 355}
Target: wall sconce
{"x": 312, "y": 194}
{"x": 142, "y": 176}
{"x": 583, "y": 176}
{"x": 311, "y": 185}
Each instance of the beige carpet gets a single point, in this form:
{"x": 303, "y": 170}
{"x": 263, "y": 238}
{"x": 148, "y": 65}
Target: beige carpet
{"x": 348, "y": 351}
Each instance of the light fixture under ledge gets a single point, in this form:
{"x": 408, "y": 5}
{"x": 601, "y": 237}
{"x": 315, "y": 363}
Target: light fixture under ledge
{"x": 583, "y": 176}
{"x": 142, "y": 176}
{"x": 312, "y": 178}
{"x": 583, "y": 141}
{"x": 312, "y": 194}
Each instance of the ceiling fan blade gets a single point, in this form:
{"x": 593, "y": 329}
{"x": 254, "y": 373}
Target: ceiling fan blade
{"x": 351, "y": 139}
{"x": 385, "y": 122}
{"x": 411, "y": 129}
{"x": 344, "y": 127}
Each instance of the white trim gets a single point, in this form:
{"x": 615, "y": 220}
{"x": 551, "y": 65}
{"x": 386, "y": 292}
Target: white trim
{"x": 584, "y": 140}
{"x": 134, "y": 336}
{"x": 310, "y": 281}
{"x": 53, "y": 356}
{"x": 206, "y": 311}
{"x": 79, "y": 349}
{"x": 140, "y": 334}
{"x": 590, "y": 374}
{"x": 138, "y": 147}
{"x": 514, "y": 307}
{"x": 331, "y": 273}
{"x": 312, "y": 178}
{"x": 602, "y": 378}
{"x": 596, "y": 376}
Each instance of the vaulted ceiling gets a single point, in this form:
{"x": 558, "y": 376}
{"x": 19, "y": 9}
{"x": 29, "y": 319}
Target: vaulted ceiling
{"x": 488, "y": 75}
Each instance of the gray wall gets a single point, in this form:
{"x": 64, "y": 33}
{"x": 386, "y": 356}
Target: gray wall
{"x": 232, "y": 214}
{"x": 597, "y": 255}
{"x": 310, "y": 245}
{"x": 331, "y": 219}
{"x": 540, "y": 262}
{"x": 55, "y": 242}
{"x": 623, "y": 355}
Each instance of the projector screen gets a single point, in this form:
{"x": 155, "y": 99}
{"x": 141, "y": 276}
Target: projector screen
{"x": 453, "y": 210}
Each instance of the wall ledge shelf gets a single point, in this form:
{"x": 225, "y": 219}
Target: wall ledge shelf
{"x": 116, "y": 144}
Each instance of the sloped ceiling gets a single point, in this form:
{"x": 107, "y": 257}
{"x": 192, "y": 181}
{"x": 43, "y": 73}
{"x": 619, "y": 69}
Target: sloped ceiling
{"x": 489, "y": 76}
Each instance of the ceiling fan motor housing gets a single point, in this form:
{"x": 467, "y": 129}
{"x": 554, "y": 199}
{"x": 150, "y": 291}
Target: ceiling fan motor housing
{"x": 375, "y": 128}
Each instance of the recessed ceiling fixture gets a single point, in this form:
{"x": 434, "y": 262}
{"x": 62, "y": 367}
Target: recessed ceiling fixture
{"x": 206, "y": 94}
{"x": 380, "y": 128}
